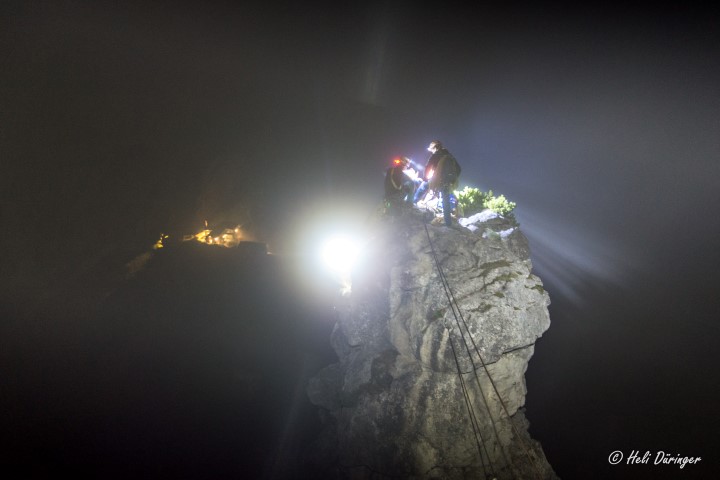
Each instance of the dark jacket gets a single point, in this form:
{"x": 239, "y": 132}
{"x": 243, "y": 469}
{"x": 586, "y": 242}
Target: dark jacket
{"x": 397, "y": 182}
{"x": 446, "y": 170}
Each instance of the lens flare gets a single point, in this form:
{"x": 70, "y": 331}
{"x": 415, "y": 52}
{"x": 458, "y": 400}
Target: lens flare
{"x": 339, "y": 254}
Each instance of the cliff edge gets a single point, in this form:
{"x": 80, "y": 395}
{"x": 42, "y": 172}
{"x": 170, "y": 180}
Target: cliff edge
{"x": 433, "y": 344}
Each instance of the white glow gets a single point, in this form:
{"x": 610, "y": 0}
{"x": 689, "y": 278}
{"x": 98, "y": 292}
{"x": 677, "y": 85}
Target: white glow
{"x": 410, "y": 172}
{"x": 339, "y": 254}
{"x": 330, "y": 222}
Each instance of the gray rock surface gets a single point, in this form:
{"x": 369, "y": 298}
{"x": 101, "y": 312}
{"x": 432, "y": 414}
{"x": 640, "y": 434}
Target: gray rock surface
{"x": 395, "y": 404}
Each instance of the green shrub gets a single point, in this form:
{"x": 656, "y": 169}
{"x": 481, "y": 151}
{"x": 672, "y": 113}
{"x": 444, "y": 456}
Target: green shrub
{"x": 500, "y": 205}
{"x": 472, "y": 200}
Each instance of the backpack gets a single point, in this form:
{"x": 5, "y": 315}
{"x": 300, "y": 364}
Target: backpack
{"x": 449, "y": 170}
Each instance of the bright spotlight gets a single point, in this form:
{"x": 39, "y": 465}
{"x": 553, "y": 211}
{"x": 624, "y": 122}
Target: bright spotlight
{"x": 339, "y": 254}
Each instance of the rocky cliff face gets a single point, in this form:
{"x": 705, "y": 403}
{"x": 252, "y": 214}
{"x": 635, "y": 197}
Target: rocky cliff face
{"x": 430, "y": 380}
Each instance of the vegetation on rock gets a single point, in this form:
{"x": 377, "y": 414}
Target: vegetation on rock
{"x": 473, "y": 200}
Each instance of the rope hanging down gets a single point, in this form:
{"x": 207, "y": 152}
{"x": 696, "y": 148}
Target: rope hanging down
{"x": 457, "y": 314}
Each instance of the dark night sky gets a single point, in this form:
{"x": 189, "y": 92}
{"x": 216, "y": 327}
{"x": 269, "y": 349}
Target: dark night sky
{"x": 119, "y": 122}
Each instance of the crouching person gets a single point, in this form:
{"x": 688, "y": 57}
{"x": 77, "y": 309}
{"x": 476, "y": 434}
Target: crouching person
{"x": 399, "y": 187}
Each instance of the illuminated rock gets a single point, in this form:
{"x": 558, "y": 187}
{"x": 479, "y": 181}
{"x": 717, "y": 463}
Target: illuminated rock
{"x": 394, "y": 403}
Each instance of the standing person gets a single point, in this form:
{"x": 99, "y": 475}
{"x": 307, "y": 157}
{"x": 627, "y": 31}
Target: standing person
{"x": 399, "y": 187}
{"x": 441, "y": 175}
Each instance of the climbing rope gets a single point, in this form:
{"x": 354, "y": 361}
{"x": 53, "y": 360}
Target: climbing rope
{"x": 453, "y": 306}
{"x": 457, "y": 314}
{"x": 473, "y": 418}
